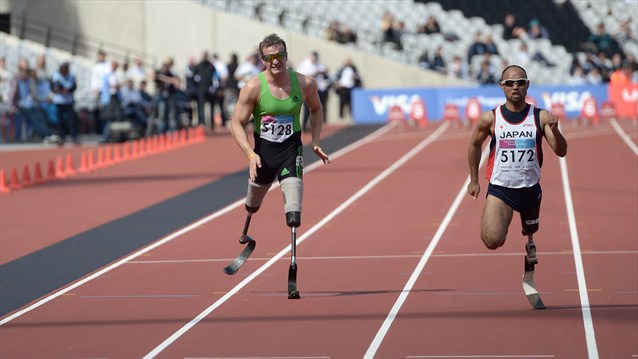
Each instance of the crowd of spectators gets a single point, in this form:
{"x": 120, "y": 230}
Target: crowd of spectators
{"x": 133, "y": 100}
{"x": 44, "y": 100}
{"x": 604, "y": 53}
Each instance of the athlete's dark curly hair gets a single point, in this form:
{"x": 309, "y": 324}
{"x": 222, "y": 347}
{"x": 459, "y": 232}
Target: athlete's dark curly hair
{"x": 270, "y": 40}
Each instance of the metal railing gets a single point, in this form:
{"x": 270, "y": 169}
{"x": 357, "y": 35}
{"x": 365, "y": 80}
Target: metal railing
{"x": 74, "y": 42}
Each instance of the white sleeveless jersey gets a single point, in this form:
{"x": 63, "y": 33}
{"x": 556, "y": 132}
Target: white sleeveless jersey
{"x": 515, "y": 151}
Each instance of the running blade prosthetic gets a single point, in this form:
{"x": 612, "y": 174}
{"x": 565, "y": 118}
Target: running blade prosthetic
{"x": 530, "y": 287}
{"x": 233, "y": 267}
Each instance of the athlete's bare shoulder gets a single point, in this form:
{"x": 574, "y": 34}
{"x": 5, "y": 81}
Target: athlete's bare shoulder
{"x": 485, "y": 120}
{"x": 306, "y": 83}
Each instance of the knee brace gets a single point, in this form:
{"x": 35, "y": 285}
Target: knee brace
{"x": 293, "y": 219}
{"x": 255, "y": 195}
{"x": 292, "y": 189}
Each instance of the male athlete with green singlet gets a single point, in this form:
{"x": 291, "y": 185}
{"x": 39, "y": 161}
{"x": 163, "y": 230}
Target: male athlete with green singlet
{"x": 274, "y": 98}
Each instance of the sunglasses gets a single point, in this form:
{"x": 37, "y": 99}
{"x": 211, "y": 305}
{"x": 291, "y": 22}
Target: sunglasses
{"x": 519, "y": 82}
{"x": 281, "y": 56}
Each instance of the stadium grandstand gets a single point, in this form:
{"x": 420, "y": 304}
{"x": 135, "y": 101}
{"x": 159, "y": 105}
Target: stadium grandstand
{"x": 560, "y": 36}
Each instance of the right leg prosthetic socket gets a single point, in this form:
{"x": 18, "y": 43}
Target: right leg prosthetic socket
{"x": 292, "y": 189}
{"x": 255, "y": 195}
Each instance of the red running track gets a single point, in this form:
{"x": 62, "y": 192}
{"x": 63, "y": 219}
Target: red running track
{"x": 390, "y": 265}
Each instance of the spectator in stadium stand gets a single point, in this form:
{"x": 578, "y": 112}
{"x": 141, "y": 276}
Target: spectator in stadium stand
{"x": 477, "y": 47}
{"x": 457, "y": 68}
{"x": 64, "y": 86}
{"x": 189, "y": 78}
{"x": 522, "y": 56}
{"x": 110, "y": 106}
{"x": 311, "y": 66}
{"x": 133, "y": 105}
{"x": 536, "y": 30}
{"x": 247, "y": 69}
{"x": 222, "y": 72}
{"x": 438, "y": 62}
{"x": 601, "y": 40}
{"x": 485, "y": 75}
{"x": 231, "y": 88}
{"x": 205, "y": 75}
{"x": 147, "y": 99}
{"x": 167, "y": 84}
{"x": 594, "y": 77}
{"x": 621, "y": 76}
{"x": 578, "y": 77}
{"x": 511, "y": 30}
{"x": 136, "y": 71}
{"x": 99, "y": 69}
{"x": 333, "y": 32}
{"x": 44, "y": 92}
{"x": 388, "y": 30}
{"x": 424, "y": 60}
{"x": 631, "y": 59}
{"x": 5, "y": 80}
{"x": 624, "y": 32}
{"x": 348, "y": 35}
{"x": 22, "y": 99}
{"x": 431, "y": 26}
{"x": 346, "y": 79}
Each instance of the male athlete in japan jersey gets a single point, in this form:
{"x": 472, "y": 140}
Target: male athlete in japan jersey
{"x": 515, "y": 149}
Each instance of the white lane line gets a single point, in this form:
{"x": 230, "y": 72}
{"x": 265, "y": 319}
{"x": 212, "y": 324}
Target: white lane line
{"x": 481, "y": 356}
{"x": 624, "y": 136}
{"x": 185, "y": 230}
{"x": 431, "y": 138}
{"x": 398, "y": 256}
{"x": 376, "y": 342}
{"x": 287, "y": 357}
{"x": 590, "y": 336}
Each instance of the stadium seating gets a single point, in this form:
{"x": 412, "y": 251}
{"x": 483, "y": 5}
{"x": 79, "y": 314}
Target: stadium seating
{"x": 458, "y": 18}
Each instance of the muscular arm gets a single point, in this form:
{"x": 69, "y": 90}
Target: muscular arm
{"x": 481, "y": 132}
{"x": 552, "y": 133}
{"x": 311, "y": 98}
{"x": 248, "y": 97}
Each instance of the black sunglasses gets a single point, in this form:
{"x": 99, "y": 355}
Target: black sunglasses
{"x": 281, "y": 56}
{"x": 519, "y": 82}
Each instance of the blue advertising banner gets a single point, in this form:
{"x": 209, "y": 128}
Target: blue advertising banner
{"x": 373, "y": 105}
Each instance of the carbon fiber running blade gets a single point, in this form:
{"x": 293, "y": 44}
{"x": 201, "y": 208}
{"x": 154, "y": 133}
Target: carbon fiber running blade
{"x": 292, "y": 282}
{"x": 233, "y": 267}
{"x": 530, "y": 290}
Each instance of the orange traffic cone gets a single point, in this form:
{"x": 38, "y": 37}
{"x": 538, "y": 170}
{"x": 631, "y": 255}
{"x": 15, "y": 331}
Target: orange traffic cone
{"x": 84, "y": 163}
{"x": 51, "y": 171}
{"x": 59, "y": 168}
{"x": 37, "y": 174}
{"x": 3, "y": 183}
{"x": 26, "y": 177}
{"x": 70, "y": 169}
{"x": 14, "y": 182}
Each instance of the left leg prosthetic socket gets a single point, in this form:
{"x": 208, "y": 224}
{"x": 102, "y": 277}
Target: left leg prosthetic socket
{"x": 255, "y": 195}
{"x": 292, "y": 189}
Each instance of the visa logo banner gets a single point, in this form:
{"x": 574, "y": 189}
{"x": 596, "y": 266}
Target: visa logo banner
{"x": 382, "y": 104}
{"x": 373, "y": 105}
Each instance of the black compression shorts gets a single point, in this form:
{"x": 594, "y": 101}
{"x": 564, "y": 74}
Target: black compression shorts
{"x": 279, "y": 160}
{"x": 526, "y": 201}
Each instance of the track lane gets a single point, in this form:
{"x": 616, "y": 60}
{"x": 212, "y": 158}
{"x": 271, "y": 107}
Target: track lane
{"x": 124, "y": 294}
{"x": 604, "y": 173}
{"x": 336, "y": 302}
{"x": 482, "y": 304}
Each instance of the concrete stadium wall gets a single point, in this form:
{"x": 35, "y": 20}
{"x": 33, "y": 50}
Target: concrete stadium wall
{"x": 182, "y": 28}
